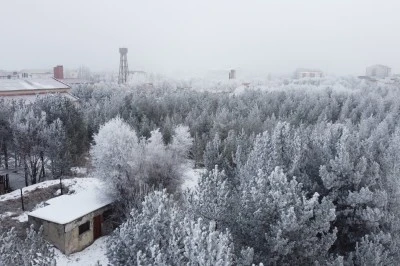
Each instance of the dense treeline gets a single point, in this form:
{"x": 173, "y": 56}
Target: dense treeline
{"x": 301, "y": 174}
{"x": 223, "y": 120}
{"x": 305, "y": 175}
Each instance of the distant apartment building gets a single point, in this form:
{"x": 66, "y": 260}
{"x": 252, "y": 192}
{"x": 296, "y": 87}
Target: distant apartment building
{"x": 308, "y": 73}
{"x": 378, "y": 71}
{"x": 36, "y": 73}
{"x": 9, "y": 74}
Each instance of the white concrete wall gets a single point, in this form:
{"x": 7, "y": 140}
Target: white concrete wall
{"x": 75, "y": 242}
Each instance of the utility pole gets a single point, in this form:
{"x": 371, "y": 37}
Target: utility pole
{"x": 22, "y": 200}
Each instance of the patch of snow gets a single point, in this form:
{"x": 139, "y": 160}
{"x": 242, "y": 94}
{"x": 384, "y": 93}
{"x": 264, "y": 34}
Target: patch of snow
{"x": 77, "y": 185}
{"x": 6, "y": 214}
{"x": 191, "y": 177}
{"x": 88, "y": 257}
{"x": 79, "y": 170}
{"x": 22, "y": 218}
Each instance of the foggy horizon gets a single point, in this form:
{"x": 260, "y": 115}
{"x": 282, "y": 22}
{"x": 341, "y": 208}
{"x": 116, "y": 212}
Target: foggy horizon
{"x": 261, "y": 37}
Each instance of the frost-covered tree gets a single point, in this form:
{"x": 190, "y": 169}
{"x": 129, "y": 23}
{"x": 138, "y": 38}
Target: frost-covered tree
{"x": 372, "y": 250}
{"x": 161, "y": 234}
{"x": 32, "y": 251}
{"x": 28, "y": 133}
{"x": 75, "y": 128}
{"x": 56, "y": 148}
{"x": 354, "y": 184}
{"x": 131, "y": 165}
{"x": 212, "y": 199}
{"x": 115, "y": 155}
{"x": 213, "y": 153}
{"x": 5, "y": 133}
{"x": 281, "y": 223}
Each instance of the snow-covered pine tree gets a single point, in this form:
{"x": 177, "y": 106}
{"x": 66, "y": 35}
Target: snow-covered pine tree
{"x": 354, "y": 184}
{"x": 162, "y": 234}
{"x": 212, "y": 199}
{"x": 33, "y": 251}
{"x": 281, "y": 223}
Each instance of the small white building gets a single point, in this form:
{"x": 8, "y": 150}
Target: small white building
{"x": 308, "y": 73}
{"x": 378, "y": 71}
{"x": 73, "y": 222}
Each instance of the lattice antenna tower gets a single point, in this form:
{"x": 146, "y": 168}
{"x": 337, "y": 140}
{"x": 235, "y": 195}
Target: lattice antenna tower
{"x": 123, "y": 66}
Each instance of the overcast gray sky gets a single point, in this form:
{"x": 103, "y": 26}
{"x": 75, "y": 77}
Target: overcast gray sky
{"x": 337, "y": 36}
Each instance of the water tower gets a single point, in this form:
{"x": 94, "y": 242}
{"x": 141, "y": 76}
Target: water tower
{"x": 123, "y": 65}
{"x": 232, "y": 74}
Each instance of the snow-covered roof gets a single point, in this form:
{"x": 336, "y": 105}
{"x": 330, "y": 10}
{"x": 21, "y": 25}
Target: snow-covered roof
{"x": 31, "y": 84}
{"x": 67, "y": 208}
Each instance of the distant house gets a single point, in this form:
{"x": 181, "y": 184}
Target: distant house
{"x": 308, "y": 73}
{"x": 73, "y": 222}
{"x": 378, "y": 71}
{"x": 28, "y": 89}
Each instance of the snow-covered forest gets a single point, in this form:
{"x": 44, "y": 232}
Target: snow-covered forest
{"x": 299, "y": 172}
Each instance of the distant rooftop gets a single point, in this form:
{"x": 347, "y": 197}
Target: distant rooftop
{"x": 75, "y": 81}
{"x": 379, "y": 65}
{"x": 307, "y": 70}
{"x": 37, "y": 71}
{"x": 31, "y": 84}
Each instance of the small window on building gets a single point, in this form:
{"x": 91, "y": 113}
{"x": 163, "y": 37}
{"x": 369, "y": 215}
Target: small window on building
{"x": 84, "y": 227}
{"x": 107, "y": 214}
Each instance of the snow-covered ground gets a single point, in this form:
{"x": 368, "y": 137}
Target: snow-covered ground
{"x": 23, "y": 217}
{"x": 79, "y": 171}
{"x": 87, "y": 257}
{"x": 74, "y": 184}
{"x": 191, "y": 177}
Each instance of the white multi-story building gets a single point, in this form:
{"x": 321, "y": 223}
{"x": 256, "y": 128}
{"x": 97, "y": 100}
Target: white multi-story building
{"x": 378, "y": 71}
{"x": 308, "y": 73}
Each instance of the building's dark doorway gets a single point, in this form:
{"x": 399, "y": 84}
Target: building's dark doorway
{"x": 97, "y": 227}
